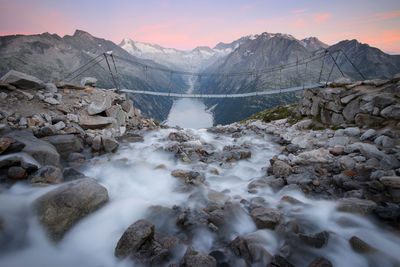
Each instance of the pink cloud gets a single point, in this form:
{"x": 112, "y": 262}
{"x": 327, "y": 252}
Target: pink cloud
{"x": 376, "y": 17}
{"x": 298, "y": 23}
{"x": 298, "y": 11}
{"x": 321, "y": 18}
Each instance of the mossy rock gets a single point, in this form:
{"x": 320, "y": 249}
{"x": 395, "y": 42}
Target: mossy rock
{"x": 277, "y": 113}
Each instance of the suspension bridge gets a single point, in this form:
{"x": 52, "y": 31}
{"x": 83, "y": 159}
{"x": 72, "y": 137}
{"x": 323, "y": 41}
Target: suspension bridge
{"x": 290, "y": 77}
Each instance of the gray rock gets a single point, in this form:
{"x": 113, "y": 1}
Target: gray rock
{"x": 16, "y": 173}
{"x": 340, "y": 82}
{"x": 266, "y": 217}
{"x": 59, "y": 125}
{"x": 47, "y": 175}
{"x": 95, "y": 122}
{"x": 279, "y": 261}
{"x": 351, "y": 109}
{"x": 117, "y": 113}
{"x": 51, "y": 87}
{"x": 42, "y": 151}
{"x": 22, "y": 80}
{"x": 240, "y": 248}
{"x": 367, "y": 108}
{"x": 352, "y": 131}
{"x": 337, "y": 119}
{"x": 65, "y": 144}
{"x": 384, "y": 141}
{"x": 392, "y": 112}
{"x": 347, "y": 163}
{"x": 382, "y": 102}
{"x": 338, "y": 141}
{"x": 320, "y": 262}
{"x": 315, "y": 106}
{"x": 110, "y": 144}
{"x": 194, "y": 258}
{"x": 359, "y": 245}
{"x": 96, "y": 143}
{"x": 368, "y": 134}
{"x": 356, "y": 205}
{"x": 281, "y": 169}
{"x": 62, "y": 207}
{"x": 51, "y": 101}
{"x": 72, "y": 117}
{"x": 89, "y": 81}
{"x": 99, "y": 105}
{"x": 390, "y": 181}
{"x": 318, "y": 240}
{"x": 133, "y": 238}
{"x": 299, "y": 179}
{"x": 347, "y": 99}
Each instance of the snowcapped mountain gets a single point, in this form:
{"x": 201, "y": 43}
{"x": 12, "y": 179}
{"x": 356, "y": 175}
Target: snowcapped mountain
{"x": 313, "y": 44}
{"x": 195, "y": 59}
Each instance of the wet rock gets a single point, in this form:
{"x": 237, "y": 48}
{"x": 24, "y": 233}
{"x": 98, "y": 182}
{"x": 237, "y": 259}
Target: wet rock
{"x": 65, "y": 144}
{"x": 110, "y": 144}
{"x": 266, "y": 217}
{"x": 96, "y": 143}
{"x": 194, "y": 258}
{"x": 279, "y": 261}
{"x": 391, "y": 181}
{"x": 388, "y": 211}
{"x": 46, "y": 131}
{"x": 191, "y": 177}
{"x": 359, "y": 245}
{"x": 240, "y": 248}
{"x": 22, "y": 80}
{"x": 5, "y": 143}
{"x": 71, "y": 174}
{"x": 47, "y": 175}
{"x": 356, "y": 205}
{"x": 318, "y": 240}
{"x": 42, "y": 151}
{"x": 62, "y": 207}
{"x": 320, "y": 262}
{"x": 281, "y": 169}
{"x": 368, "y": 134}
{"x": 16, "y": 173}
{"x": 133, "y": 238}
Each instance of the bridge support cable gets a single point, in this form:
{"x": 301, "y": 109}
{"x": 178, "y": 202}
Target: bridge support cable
{"x": 335, "y": 61}
{"x": 86, "y": 69}
{"x": 81, "y": 67}
{"x": 116, "y": 71}
{"x": 322, "y": 67}
{"x": 333, "y": 66}
{"x": 352, "y": 64}
{"x": 111, "y": 73}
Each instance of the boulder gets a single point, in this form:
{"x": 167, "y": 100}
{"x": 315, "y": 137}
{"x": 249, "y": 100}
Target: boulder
{"x": 318, "y": 240}
{"x": 133, "y": 238}
{"x": 368, "y": 134}
{"x": 281, "y": 169}
{"x": 240, "y": 248}
{"x": 117, "y": 113}
{"x": 22, "y": 80}
{"x": 392, "y": 112}
{"x": 61, "y": 208}
{"x": 279, "y": 261}
{"x": 356, "y": 205}
{"x": 351, "y": 109}
{"x": 42, "y": 151}
{"x": 391, "y": 181}
{"x": 89, "y": 81}
{"x": 65, "y": 144}
{"x": 110, "y": 144}
{"x": 47, "y": 175}
{"x": 16, "y": 173}
{"x": 99, "y": 105}
{"x": 193, "y": 258}
{"x": 266, "y": 217}
{"x": 352, "y": 131}
{"x": 359, "y": 245}
{"x": 95, "y": 122}
{"x": 366, "y": 120}
{"x": 51, "y": 87}
{"x": 320, "y": 262}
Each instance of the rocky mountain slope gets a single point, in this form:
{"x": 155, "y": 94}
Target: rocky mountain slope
{"x": 52, "y": 58}
{"x": 187, "y": 60}
{"x": 312, "y": 44}
{"x": 371, "y": 61}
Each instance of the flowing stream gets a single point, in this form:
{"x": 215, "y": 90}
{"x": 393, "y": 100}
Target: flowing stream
{"x": 139, "y": 176}
{"x": 189, "y": 113}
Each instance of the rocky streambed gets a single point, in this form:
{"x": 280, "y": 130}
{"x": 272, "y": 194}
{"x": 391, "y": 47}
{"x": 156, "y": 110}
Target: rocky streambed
{"x": 88, "y": 181}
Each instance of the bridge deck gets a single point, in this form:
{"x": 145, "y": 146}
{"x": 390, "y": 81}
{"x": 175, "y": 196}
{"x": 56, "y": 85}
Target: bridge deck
{"x": 265, "y": 92}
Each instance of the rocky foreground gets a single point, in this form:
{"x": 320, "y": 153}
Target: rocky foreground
{"x": 344, "y": 147}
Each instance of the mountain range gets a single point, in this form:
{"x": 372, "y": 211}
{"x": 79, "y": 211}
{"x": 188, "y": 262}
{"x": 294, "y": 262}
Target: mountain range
{"x": 51, "y": 58}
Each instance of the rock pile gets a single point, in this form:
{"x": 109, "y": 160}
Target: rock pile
{"x": 372, "y": 103}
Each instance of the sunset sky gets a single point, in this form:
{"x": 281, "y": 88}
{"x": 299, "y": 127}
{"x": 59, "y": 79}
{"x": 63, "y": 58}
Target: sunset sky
{"x": 185, "y": 24}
